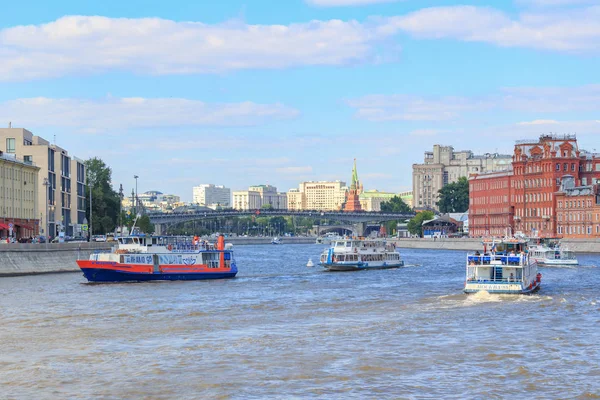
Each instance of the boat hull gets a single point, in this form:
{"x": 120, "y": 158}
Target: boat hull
{"x": 112, "y": 272}
{"x": 557, "y": 263}
{"x": 359, "y": 267}
{"x": 501, "y": 288}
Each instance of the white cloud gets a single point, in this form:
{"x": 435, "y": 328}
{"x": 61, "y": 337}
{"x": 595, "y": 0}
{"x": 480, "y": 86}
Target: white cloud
{"x": 556, "y": 3}
{"x": 400, "y": 107}
{"x": 294, "y": 170}
{"x": 82, "y": 45}
{"x": 86, "y": 45}
{"x": 539, "y": 122}
{"x": 105, "y": 114}
{"x": 339, "y": 3}
{"x": 574, "y": 30}
{"x": 412, "y": 108}
{"x": 425, "y": 132}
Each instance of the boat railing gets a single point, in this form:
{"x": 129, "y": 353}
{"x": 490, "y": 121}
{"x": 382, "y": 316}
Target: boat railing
{"x": 498, "y": 259}
{"x": 190, "y": 247}
{"x": 493, "y": 280}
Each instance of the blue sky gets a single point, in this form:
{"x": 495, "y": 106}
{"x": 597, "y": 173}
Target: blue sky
{"x": 250, "y": 92}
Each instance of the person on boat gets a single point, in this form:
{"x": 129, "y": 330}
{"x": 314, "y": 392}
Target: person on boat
{"x": 511, "y": 278}
{"x": 477, "y": 253}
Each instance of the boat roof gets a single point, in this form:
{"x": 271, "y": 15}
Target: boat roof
{"x": 512, "y": 240}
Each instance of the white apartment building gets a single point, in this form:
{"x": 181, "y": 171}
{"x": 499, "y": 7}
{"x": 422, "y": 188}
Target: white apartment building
{"x": 258, "y": 196}
{"x": 65, "y": 178}
{"x": 207, "y": 194}
{"x": 321, "y": 196}
{"x": 443, "y": 165}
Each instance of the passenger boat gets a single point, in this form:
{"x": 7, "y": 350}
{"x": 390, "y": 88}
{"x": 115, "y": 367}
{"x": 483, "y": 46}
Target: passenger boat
{"x": 327, "y": 238}
{"x": 359, "y": 254}
{"x": 140, "y": 258}
{"x": 504, "y": 266}
{"x": 549, "y": 252}
{"x": 276, "y": 240}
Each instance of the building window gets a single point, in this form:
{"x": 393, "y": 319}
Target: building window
{"x": 565, "y": 167}
{"x": 573, "y": 167}
{"x": 557, "y": 166}
{"x": 28, "y": 159}
{"x": 10, "y": 145}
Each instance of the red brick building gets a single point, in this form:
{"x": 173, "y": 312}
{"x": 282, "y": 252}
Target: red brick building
{"x": 523, "y": 198}
{"x": 577, "y": 210}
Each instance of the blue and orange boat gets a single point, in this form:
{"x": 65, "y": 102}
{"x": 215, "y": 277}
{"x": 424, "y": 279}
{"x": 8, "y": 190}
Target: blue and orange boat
{"x": 140, "y": 258}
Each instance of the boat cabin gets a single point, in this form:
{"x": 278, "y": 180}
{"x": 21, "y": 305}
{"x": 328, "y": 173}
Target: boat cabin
{"x": 499, "y": 262}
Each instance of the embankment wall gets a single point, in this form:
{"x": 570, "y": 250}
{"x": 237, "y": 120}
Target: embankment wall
{"x": 576, "y": 245}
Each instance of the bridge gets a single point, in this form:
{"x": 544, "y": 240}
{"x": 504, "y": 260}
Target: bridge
{"x": 162, "y": 220}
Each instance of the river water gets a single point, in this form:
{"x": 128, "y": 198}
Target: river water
{"x": 282, "y": 330}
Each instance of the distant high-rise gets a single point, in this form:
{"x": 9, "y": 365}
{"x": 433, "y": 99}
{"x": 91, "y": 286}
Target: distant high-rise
{"x": 443, "y": 165}
{"x": 209, "y": 194}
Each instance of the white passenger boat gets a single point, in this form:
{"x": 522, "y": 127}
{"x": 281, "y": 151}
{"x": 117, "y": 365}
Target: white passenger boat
{"x": 276, "y": 240}
{"x": 328, "y": 238}
{"x": 504, "y": 266}
{"x": 549, "y": 252}
{"x": 359, "y": 254}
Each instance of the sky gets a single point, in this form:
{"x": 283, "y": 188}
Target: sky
{"x": 241, "y": 93}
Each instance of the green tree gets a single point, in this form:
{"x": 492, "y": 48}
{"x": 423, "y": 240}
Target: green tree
{"x": 395, "y": 205}
{"x": 415, "y": 225}
{"x": 454, "y": 197}
{"x": 105, "y": 200}
{"x": 145, "y": 225}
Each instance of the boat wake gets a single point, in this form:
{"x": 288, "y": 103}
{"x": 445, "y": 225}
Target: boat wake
{"x": 483, "y": 297}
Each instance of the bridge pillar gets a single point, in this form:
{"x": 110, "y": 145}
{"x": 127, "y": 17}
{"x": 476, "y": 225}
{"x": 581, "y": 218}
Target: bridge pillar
{"x": 360, "y": 228}
{"x": 158, "y": 229}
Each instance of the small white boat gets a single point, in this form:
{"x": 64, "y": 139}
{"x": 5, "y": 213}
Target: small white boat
{"x": 504, "y": 266}
{"x": 359, "y": 254}
{"x": 276, "y": 240}
{"x": 310, "y": 263}
{"x": 549, "y": 252}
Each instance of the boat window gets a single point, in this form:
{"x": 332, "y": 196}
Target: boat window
{"x": 340, "y": 244}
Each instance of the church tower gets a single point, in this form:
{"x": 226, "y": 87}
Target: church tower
{"x": 356, "y": 188}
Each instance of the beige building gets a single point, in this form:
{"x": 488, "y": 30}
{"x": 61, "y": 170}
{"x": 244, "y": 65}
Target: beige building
{"x": 258, "y": 196}
{"x": 295, "y": 199}
{"x": 64, "y": 192}
{"x": 371, "y": 199}
{"x": 19, "y": 215}
{"x": 407, "y": 197}
{"x": 321, "y": 196}
{"x": 443, "y": 165}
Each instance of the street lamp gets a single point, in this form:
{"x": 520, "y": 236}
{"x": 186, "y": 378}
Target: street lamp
{"x": 121, "y": 209}
{"x": 136, "y": 194}
{"x": 46, "y": 184}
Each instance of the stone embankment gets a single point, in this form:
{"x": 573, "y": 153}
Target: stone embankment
{"x": 27, "y": 259}
{"x": 471, "y": 244}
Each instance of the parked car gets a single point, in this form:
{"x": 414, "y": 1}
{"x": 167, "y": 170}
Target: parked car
{"x": 99, "y": 238}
